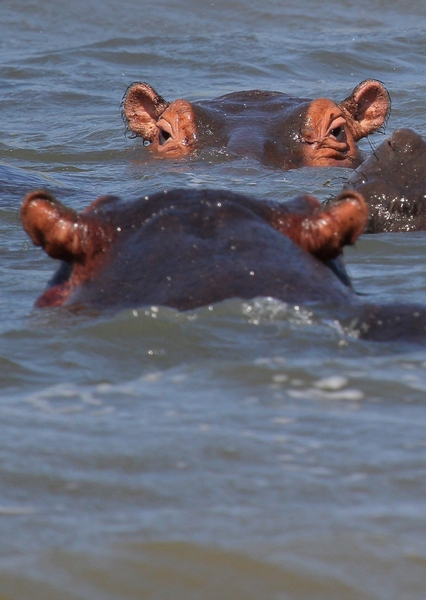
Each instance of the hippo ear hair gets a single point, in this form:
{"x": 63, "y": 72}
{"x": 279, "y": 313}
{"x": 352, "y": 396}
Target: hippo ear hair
{"x": 367, "y": 108}
{"x": 141, "y": 107}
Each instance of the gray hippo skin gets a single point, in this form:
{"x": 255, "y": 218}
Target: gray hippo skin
{"x": 277, "y": 129}
{"x": 189, "y": 248}
{"x": 393, "y": 183}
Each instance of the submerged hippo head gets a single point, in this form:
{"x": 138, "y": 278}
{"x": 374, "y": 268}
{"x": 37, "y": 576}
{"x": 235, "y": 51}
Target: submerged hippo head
{"x": 277, "y": 129}
{"x": 393, "y": 182}
{"x": 189, "y": 248}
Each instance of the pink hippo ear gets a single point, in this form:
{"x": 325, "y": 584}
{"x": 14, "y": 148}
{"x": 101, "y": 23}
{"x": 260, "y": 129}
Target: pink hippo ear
{"x": 141, "y": 109}
{"x": 367, "y": 108}
{"x": 324, "y": 230}
{"x": 52, "y": 226}
{"x": 61, "y": 231}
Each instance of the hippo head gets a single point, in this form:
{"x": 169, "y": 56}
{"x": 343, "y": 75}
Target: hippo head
{"x": 393, "y": 182}
{"x": 277, "y": 129}
{"x": 190, "y": 248}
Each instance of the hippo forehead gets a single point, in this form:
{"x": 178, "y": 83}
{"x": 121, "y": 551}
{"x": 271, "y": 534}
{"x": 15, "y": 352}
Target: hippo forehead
{"x": 403, "y": 147}
{"x": 261, "y": 123}
{"x": 185, "y": 199}
{"x": 262, "y": 110}
{"x": 406, "y": 141}
{"x": 257, "y": 101}
{"x": 401, "y": 160}
{"x": 210, "y": 205}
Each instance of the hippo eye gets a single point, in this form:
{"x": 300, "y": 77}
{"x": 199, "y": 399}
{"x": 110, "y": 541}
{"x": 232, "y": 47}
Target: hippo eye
{"x": 164, "y": 136}
{"x": 338, "y": 133}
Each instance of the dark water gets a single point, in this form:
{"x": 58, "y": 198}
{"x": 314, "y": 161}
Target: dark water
{"x": 243, "y": 451}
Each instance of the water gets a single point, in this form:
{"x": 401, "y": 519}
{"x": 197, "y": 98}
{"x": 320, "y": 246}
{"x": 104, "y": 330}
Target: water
{"x": 248, "y": 450}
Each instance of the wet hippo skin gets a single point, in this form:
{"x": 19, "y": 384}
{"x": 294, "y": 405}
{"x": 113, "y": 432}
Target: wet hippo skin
{"x": 275, "y": 128}
{"x": 189, "y": 248}
{"x": 393, "y": 183}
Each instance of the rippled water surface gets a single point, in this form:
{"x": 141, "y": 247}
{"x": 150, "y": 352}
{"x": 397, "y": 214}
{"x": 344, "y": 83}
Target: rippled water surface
{"x": 249, "y": 450}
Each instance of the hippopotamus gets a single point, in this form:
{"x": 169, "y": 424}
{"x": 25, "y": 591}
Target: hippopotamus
{"x": 393, "y": 183}
{"x": 191, "y": 248}
{"x": 275, "y": 128}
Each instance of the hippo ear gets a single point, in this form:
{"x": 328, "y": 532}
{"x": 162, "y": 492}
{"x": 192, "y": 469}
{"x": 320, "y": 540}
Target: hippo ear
{"x": 367, "y": 108}
{"x": 53, "y": 226}
{"x": 324, "y": 231}
{"x": 141, "y": 108}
